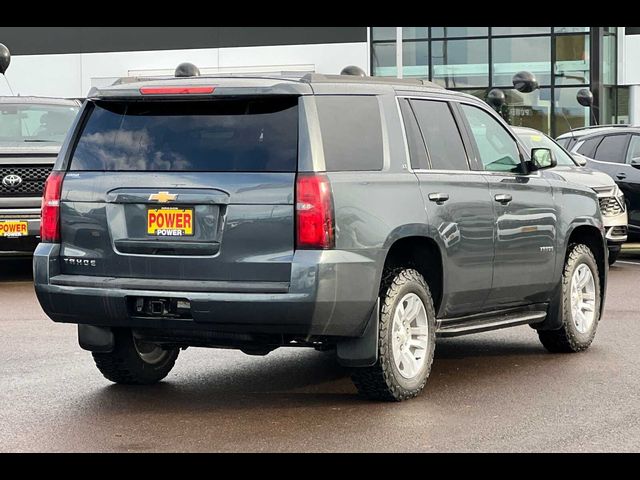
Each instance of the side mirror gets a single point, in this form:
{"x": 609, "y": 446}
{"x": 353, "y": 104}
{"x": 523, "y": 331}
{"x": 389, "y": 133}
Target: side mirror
{"x": 580, "y": 160}
{"x": 541, "y": 159}
{"x": 635, "y": 162}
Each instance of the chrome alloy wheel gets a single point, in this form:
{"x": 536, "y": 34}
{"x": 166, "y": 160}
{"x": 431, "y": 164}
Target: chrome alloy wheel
{"x": 583, "y": 298}
{"x": 410, "y": 336}
{"x": 150, "y": 353}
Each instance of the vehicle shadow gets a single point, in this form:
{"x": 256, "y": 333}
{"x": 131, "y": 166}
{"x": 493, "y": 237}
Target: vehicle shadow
{"x": 309, "y": 378}
{"x": 15, "y": 268}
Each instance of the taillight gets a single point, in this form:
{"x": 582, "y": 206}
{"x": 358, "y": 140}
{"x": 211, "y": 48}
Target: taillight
{"x": 314, "y": 212}
{"x": 50, "y": 222}
{"x": 176, "y": 90}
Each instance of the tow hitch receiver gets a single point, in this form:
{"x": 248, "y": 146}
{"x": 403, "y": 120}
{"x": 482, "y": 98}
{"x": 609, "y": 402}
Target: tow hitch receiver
{"x": 160, "y": 307}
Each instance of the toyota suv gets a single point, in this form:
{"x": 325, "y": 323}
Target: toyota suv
{"x": 31, "y": 133}
{"x": 366, "y": 216}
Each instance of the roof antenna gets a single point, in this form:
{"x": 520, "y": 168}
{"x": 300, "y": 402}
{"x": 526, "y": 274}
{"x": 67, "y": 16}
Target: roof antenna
{"x": 5, "y": 61}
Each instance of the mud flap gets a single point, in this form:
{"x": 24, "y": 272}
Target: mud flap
{"x": 554, "y": 313}
{"x": 362, "y": 351}
{"x": 95, "y": 339}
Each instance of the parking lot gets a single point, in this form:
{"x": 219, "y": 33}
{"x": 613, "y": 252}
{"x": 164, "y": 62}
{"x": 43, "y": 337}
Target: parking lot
{"x": 498, "y": 391}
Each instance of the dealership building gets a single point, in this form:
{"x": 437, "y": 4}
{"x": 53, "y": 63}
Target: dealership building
{"x": 69, "y": 61}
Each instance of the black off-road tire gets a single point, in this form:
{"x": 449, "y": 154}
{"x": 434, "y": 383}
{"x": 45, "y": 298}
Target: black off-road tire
{"x": 568, "y": 339}
{"x": 383, "y": 381}
{"x": 124, "y": 365}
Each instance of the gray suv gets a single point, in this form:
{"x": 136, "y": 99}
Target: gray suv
{"x": 32, "y": 130}
{"x": 366, "y": 216}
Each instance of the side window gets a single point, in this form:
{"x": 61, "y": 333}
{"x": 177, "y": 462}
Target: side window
{"x": 498, "y": 150}
{"x": 588, "y": 147}
{"x": 351, "y": 132}
{"x": 417, "y": 150}
{"x": 633, "y": 156}
{"x": 612, "y": 149}
{"x": 441, "y": 135}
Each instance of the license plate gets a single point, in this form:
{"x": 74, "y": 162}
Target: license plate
{"x": 13, "y": 229}
{"x": 170, "y": 222}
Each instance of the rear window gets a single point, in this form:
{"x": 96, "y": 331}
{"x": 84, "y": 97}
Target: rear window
{"x": 223, "y": 135}
{"x": 351, "y": 132}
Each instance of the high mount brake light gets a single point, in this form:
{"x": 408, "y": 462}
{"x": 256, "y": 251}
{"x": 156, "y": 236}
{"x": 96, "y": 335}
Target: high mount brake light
{"x": 176, "y": 90}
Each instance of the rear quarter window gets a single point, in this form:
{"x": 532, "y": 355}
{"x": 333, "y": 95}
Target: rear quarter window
{"x": 221, "y": 135}
{"x": 588, "y": 148}
{"x": 613, "y": 148}
{"x": 351, "y": 132}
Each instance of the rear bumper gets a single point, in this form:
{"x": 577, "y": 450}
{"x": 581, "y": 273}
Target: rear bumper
{"x": 331, "y": 293}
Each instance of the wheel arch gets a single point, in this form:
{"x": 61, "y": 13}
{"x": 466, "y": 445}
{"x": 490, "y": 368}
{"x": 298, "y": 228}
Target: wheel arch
{"x": 414, "y": 248}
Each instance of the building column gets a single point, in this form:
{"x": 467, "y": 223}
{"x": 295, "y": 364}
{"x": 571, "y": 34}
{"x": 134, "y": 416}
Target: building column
{"x": 634, "y": 104}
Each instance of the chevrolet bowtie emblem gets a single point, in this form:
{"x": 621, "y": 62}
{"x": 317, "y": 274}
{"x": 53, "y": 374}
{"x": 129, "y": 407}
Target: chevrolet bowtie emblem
{"x": 163, "y": 197}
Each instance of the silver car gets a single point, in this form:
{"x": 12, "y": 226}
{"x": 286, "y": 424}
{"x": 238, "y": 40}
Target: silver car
{"x": 572, "y": 168}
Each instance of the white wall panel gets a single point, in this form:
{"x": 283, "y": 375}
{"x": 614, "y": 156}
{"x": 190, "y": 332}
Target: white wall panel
{"x": 97, "y": 66}
{"x": 631, "y": 58}
{"x": 73, "y": 75}
{"x": 325, "y": 58}
{"x": 44, "y": 75}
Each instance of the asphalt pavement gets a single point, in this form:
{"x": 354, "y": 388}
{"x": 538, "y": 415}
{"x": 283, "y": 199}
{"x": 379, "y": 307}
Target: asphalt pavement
{"x": 496, "y": 391}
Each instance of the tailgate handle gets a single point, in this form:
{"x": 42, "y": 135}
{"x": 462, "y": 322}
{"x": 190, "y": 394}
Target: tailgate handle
{"x": 154, "y": 247}
{"x": 182, "y": 197}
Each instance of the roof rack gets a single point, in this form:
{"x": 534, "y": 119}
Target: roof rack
{"x": 611, "y": 125}
{"x": 295, "y": 76}
{"x": 322, "y": 78}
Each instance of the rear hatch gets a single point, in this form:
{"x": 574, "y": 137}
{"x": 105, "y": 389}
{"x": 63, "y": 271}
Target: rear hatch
{"x": 183, "y": 190}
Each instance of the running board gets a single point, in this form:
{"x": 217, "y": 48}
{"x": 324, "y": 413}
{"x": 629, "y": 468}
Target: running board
{"x": 454, "y": 327}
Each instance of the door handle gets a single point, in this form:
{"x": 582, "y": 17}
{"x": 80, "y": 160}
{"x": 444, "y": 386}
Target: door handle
{"x": 439, "y": 198}
{"x": 503, "y": 198}
{"x": 621, "y": 176}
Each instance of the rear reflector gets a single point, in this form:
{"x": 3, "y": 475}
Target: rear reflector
{"x": 176, "y": 90}
{"x": 50, "y": 223}
{"x": 314, "y": 212}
